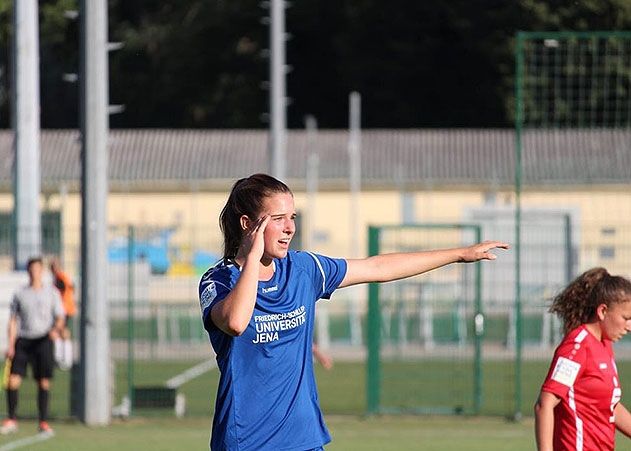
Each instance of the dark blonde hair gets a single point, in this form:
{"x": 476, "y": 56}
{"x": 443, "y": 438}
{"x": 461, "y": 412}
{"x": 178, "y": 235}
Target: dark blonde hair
{"x": 577, "y": 303}
{"x": 246, "y": 198}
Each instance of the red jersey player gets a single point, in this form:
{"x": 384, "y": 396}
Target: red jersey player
{"x": 579, "y": 405}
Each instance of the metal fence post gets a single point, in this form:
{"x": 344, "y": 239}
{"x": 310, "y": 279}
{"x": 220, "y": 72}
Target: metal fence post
{"x": 478, "y": 330}
{"x": 131, "y": 244}
{"x": 373, "y": 375}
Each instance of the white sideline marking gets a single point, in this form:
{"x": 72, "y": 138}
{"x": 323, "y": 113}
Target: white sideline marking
{"x": 189, "y": 374}
{"x": 26, "y": 441}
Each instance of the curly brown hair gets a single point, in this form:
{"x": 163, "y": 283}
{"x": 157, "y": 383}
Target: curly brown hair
{"x": 577, "y": 303}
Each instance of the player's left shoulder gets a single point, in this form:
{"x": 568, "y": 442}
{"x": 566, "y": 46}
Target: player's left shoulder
{"x": 306, "y": 260}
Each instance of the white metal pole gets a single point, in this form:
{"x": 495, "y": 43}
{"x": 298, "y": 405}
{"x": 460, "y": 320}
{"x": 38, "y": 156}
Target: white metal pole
{"x": 95, "y": 377}
{"x": 312, "y": 176}
{"x": 313, "y": 169}
{"x": 26, "y": 125}
{"x": 63, "y": 209}
{"x": 407, "y": 197}
{"x": 278, "y": 104}
{"x": 354, "y": 153}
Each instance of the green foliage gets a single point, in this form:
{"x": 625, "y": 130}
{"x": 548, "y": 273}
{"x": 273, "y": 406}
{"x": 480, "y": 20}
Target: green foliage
{"x": 5, "y": 30}
{"x": 5, "y": 7}
{"x": 198, "y": 63}
{"x": 189, "y": 63}
{"x": 573, "y": 81}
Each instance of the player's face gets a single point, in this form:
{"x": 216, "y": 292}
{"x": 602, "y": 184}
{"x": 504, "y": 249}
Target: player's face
{"x": 617, "y": 320}
{"x": 281, "y": 226}
{"x": 35, "y": 271}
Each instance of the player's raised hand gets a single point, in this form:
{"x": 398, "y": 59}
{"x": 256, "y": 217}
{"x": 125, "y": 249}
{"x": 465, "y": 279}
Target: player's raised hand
{"x": 481, "y": 251}
{"x": 253, "y": 242}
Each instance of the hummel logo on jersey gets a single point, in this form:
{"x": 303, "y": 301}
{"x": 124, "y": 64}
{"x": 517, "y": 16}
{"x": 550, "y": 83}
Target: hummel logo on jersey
{"x": 270, "y": 289}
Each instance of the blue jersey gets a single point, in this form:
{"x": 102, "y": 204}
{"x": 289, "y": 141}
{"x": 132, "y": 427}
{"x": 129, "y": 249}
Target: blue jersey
{"x": 267, "y": 397}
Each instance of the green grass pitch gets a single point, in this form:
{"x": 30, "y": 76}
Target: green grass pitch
{"x": 342, "y": 395}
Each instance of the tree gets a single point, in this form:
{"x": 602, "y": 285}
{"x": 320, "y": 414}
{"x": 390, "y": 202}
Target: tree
{"x": 200, "y": 63}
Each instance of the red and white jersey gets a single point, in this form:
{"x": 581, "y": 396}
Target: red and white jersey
{"x": 584, "y": 375}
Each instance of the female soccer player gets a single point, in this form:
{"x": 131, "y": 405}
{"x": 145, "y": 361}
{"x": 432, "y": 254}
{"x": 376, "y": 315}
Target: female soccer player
{"x": 579, "y": 405}
{"x": 258, "y": 307}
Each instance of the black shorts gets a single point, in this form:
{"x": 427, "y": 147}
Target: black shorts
{"x": 38, "y": 352}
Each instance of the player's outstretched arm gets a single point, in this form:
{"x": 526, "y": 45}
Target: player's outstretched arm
{"x": 544, "y": 420}
{"x": 623, "y": 419}
{"x": 388, "y": 267}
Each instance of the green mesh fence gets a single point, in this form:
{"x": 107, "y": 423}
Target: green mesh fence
{"x": 573, "y": 111}
{"x": 158, "y": 345}
{"x": 424, "y": 333}
{"x": 447, "y": 341}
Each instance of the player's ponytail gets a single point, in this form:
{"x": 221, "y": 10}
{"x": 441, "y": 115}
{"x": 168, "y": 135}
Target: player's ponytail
{"x": 577, "y": 303}
{"x": 246, "y": 198}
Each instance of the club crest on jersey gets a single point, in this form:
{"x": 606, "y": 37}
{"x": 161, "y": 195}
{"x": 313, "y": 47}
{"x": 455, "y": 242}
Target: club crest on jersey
{"x": 209, "y": 293}
{"x": 565, "y": 371}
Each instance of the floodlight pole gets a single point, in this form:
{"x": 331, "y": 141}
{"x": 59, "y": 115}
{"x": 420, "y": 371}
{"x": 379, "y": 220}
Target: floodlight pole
{"x": 26, "y": 126}
{"x": 278, "y": 101}
{"x": 519, "y": 121}
{"x": 94, "y": 379}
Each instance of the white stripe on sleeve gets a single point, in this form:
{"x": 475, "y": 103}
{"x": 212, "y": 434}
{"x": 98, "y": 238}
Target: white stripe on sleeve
{"x": 321, "y": 270}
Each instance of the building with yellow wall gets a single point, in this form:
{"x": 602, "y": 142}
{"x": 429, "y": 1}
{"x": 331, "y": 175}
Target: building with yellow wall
{"x": 179, "y": 180}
